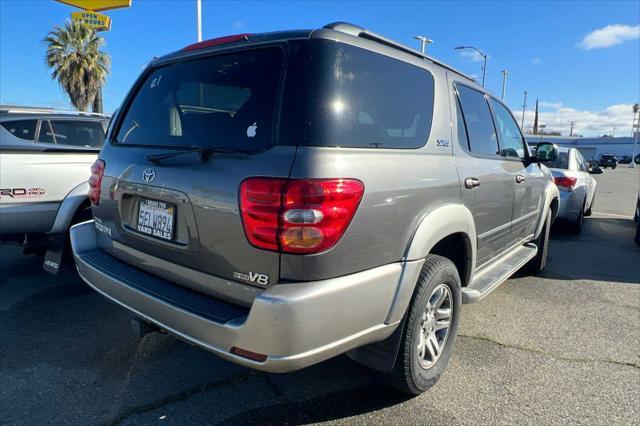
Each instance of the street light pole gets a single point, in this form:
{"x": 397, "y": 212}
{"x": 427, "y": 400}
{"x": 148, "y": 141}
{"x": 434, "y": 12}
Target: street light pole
{"x": 524, "y": 106}
{"x": 505, "y": 73}
{"x": 484, "y": 66}
{"x": 571, "y": 123}
{"x": 424, "y": 42}
{"x": 199, "y": 8}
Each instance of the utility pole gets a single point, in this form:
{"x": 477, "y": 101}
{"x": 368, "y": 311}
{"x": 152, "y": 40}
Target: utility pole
{"x": 535, "y": 120}
{"x": 636, "y": 133}
{"x": 424, "y": 42}
{"x": 484, "y": 66}
{"x": 199, "y": 8}
{"x": 571, "y": 123}
{"x": 505, "y": 73}
{"x": 524, "y": 107}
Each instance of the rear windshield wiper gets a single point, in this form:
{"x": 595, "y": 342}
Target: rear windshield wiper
{"x": 205, "y": 153}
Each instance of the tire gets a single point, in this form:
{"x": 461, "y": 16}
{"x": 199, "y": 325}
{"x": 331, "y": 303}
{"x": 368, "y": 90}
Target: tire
{"x": 614, "y": 166}
{"x": 576, "y": 226}
{"x": 539, "y": 262}
{"x": 416, "y": 370}
{"x": 593, "y": 201}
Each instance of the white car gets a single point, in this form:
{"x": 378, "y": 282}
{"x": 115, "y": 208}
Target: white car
{"x": 577, "y": 187}
{"x": 45, "y": 160}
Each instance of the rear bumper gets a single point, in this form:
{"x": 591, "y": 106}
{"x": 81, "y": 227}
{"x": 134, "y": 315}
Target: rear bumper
{"x": 294, "y": 325}
{"x": 570, "y": 205}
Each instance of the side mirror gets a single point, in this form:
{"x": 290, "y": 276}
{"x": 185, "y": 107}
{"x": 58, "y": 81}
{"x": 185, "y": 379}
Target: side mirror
{"x": 595, "y": 170}
{"x": 546, "y": 152}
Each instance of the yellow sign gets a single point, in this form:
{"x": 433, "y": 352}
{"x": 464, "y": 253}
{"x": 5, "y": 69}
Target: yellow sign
{"x": 93, "y": 20}
{"x": 97, "y": 5}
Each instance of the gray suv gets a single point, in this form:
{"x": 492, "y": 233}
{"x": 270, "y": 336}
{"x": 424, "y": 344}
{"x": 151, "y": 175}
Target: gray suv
{"x": 279, "y": 199}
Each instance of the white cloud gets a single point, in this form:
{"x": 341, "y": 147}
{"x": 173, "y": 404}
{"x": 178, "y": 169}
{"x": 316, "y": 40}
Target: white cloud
{"x": 610, "y": 35}
{"x": 238, "y": 24}
{"x": 471, "y": 55}
{"x": 536, "y": 61}
{"x": 554, "y": 105}
{"x": 588, "y": 123}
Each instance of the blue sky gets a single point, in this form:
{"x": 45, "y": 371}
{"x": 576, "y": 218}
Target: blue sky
{"x": 542, "y": 44}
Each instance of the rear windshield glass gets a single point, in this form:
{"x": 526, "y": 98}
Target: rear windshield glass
{"x": 364, "y": 99}
{"x": 82, "y": 133}
{"x": 561, "y": 161}
{"x": 223, "y": 101}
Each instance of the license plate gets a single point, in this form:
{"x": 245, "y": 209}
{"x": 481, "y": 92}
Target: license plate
{"x": 155, "y": 218}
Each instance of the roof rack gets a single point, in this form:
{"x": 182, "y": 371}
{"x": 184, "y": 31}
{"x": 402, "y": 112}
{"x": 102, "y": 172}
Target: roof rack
{"x": 46, "y": 110}
{"x": 356, "y": 31}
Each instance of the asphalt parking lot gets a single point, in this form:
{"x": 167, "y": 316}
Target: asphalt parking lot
{"x": 561, "y": 348}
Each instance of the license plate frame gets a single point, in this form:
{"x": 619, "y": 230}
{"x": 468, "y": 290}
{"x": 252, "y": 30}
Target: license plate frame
{"x": 156, "y": 219}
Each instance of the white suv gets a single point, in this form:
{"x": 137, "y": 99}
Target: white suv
{"x": 45, "y": 159}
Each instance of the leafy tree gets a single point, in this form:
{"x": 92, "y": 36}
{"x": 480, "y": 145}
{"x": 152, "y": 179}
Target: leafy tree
{"x": 76, "y": 62}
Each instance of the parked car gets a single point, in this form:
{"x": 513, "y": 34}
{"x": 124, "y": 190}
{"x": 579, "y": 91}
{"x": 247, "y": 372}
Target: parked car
{"x": 608, "y": 160}
{"x": 577, "y": 187}
{"x": 637, "y": 159}
{"x": 281, "y": 212}
{"x": 45, "y": 155}
{"x": 625, "y": 159}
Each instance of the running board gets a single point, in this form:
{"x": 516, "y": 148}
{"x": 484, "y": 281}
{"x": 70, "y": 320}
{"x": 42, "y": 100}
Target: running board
{"x": 491, "y": 277}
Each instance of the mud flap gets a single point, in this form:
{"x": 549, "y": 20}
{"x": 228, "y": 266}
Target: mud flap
{"x": 53, "y": 255}
{"x": 380, "y": 356}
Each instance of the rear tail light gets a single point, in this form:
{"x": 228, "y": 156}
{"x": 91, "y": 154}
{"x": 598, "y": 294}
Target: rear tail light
{"x": 95, "y": 181}
{"x": 298, "y": 215}
{"x": 565, "y": 183}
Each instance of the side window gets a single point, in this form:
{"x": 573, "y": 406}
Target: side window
{"x": 477, "y": 118}
{"x": 463, "y": 139}
{"x": 85, "y": 133}
{"x": 22, "y": 129}
{"x": 511, "y": 140}
{"x": 46, "y": 135}
{"x": 582, "y": 164}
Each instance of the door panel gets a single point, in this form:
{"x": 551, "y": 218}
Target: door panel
{"x": 490, "y": 203}
{"x": 527, "y": 178}
{"x": 491, "y": 199}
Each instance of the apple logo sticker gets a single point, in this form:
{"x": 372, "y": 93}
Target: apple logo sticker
{"x": 251, "y": 130}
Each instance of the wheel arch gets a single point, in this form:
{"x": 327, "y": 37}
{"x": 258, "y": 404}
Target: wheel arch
{"x": 551, "y": 202}
{"x": 74, "y": 200}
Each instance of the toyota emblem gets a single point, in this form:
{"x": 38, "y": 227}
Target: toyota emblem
{"x": 149, "y": 175}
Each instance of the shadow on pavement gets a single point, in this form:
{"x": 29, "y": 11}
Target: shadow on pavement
{"x": 604, "y": 251}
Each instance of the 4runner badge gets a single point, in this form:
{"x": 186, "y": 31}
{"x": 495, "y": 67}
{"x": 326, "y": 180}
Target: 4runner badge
{"x": 252, "y": 277}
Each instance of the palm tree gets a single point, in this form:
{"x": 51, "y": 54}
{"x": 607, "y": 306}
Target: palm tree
{"x": 76, "y": 62}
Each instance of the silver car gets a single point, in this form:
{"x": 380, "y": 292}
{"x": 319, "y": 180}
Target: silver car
{"x": 577, "y": 187}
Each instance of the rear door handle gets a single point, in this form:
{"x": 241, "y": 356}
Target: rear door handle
{"x": 519, "y": 178}
{"x": 471, "y": 182}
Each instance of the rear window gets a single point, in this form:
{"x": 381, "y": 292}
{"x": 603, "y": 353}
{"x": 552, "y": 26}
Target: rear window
{"x": 22, "y": 129}
{"x": 366, "y": 100}
{"x": 84, "y": 133}
{"x": 561, "y": 161}
{"x": 225, "y": 101}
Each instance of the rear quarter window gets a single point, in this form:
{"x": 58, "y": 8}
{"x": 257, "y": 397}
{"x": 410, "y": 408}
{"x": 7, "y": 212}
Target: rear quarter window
{"x": 364, "y": 99}
{"x": 21, "y": 129}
